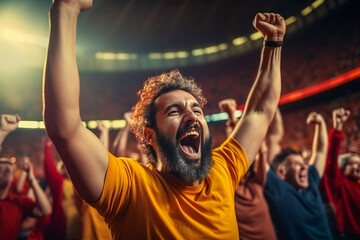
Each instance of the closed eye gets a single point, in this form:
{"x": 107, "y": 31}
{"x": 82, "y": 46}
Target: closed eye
{"x": 173, "y": 112}
{"x": 198, "y": 111}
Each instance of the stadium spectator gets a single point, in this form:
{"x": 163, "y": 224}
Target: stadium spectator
{"x": 14, "y": 208}
{"x": 186, "y": 193}
{"x": 252, "y": 212}
{"x": 64, "y": 221}
{"x": 292, "y": 189}
{"x": 341, "y": 184}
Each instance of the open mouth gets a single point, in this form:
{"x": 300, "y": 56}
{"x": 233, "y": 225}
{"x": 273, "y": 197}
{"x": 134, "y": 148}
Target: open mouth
{"x": 189, "y": 143}
{"x": 302, "y": 176}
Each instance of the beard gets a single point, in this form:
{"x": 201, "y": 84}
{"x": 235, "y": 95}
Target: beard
{"x": 178, "y": 164}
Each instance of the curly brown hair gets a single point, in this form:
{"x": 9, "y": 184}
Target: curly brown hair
{"x": 144, "y": 111}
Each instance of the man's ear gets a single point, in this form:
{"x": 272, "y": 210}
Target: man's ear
{"x": 281, "y": 172}
{"x": 149, "y": 135}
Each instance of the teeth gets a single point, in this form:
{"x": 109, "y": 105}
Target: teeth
{"x": 190, "y": 133}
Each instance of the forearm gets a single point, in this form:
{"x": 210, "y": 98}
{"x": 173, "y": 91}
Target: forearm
{"x": 274, "y": 136}
{"x": 261, "y": 103}
{"x": 320, "y": 141}
{"x": 265, "y": 93}
{"x": 335, "y": 138}
{"x": 42, "y": 200}
{"x": 319, "y": 147}
{"x": 104, "y": 138}
{"x": 121, "y": 143}
{"x": 3, "y": 135}
{"x": 260, "y": 168}
{"x": 274, "y": 147}
{"x": 21, "y": 182}
{"x": 61, "y": 86}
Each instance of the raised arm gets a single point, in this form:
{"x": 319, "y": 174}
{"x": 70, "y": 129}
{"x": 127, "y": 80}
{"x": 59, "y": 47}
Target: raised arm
{"x": 274, "y": 136}
{"x": 20, "y": 185}
{"x": 53, "y": 177}
{"x": 320, "y": 142}
{"x": 43, "y": 207}
{"x": 229, "y": 106}
{"x": 84, "y": 155}
{"x": 261, "y": 165}
{"x": 339, "y": 117}
{"x": 264, "y": 96}
{"x": 103, "y": 134}
{"x": 121, "y": 139}
{"x": 336, "y": 136}
{"x": 8, "y": 123}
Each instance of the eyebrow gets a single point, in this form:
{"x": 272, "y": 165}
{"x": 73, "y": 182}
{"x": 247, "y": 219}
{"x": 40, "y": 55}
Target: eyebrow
{"x": 179, "y": 105}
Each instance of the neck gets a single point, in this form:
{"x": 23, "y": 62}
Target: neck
{"x": 195, "y": 184}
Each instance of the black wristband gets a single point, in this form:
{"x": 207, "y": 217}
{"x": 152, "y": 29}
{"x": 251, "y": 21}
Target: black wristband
{"x": 272, "y": 43}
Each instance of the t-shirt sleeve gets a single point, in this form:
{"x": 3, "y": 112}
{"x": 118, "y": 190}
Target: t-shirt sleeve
{"x": 274, "y": 185}
{"x": 117, "y": 185}
{"x": 232, "y": 156}
{"x": 313, "y": 176}
{"x": 330, "y": 182}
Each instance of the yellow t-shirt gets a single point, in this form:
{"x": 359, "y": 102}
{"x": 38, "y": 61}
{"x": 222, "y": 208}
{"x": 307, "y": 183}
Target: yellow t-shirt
{"x": 138, "y": 202}
{"x": 93, "y": 226}
{"x": 70, "y": 210}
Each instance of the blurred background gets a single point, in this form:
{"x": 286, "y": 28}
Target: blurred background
{"x": 120, "y": 43}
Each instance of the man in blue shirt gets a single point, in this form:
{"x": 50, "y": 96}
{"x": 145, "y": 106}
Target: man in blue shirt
{"x": 292, "y": 189}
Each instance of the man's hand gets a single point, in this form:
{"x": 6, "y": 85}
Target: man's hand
{"x": 271, "y": 25}
{"x": 102, "y": 127}
{"x": 314, "y": 118}
{"x": 43, "y": 207}
{"x": 9, "y": 123}
{"x": 28, "y": 168}
{"x": 227, "y": 105}
{"x": 128, "y": 116}
{"x": 340, "y": 116}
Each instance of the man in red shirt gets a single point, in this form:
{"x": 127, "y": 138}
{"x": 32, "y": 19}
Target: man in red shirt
{"x": 14, "y": 208}
{"x": 341, "y": 185}
{"x": 252, "y": 211}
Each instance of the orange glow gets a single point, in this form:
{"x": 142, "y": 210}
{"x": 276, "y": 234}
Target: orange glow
{"x": 316, "y": 89}
{"x": 320, "y": 87}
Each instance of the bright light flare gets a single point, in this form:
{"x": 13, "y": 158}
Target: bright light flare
{"x": 239, "y": 41}
{"x": 29, "y": 124}
{"x": 290, "y": 20}
{"x": 15, "y": 36}
{"x": 255, "y": 36}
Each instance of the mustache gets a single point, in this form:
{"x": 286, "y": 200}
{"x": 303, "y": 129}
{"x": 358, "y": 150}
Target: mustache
{"x": 188, "y": 127}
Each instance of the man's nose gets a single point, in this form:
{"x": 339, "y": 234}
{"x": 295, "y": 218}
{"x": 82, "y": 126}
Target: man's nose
{"x": 304, "y": 166}
{"x": 190, "y": 116}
